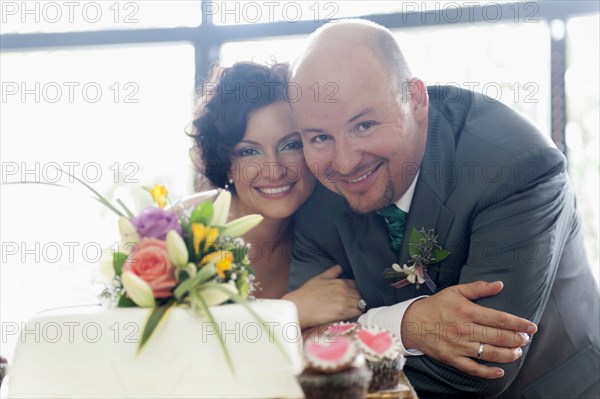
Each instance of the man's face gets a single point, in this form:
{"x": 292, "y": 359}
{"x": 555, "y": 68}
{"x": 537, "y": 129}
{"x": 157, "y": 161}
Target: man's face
{"x": 361, "y": 138}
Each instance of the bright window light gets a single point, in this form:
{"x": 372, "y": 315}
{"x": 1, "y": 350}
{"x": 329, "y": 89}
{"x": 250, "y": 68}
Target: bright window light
{"x": 116, "y": 119}
{"x": 80, "y": 16}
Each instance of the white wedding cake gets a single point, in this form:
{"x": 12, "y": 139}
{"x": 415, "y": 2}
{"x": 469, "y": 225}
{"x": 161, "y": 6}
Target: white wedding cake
{"x": 91, "y": 352}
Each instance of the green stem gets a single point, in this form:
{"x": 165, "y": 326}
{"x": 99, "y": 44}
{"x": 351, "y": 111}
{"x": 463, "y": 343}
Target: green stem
{"x": 240, "y": 301}
{"x": 129, "y": 213}
{"x": 221, "y": 340}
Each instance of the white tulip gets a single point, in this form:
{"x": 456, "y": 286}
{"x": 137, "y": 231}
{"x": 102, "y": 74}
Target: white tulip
{"x": 176, "y": 249}
{"x": 241, "y": 226}
{"x": 106, "y": 272}
{"x": 221, "y": 208}
{"x": 138, "y": 290}
{"x": 213, "y": 296}
{"x": 129, "y": 234}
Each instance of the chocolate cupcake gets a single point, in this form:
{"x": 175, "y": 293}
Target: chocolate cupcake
{"x": 335, "y": 369}
{"x": 3, "y": 368}
{"x": 382, "y": 351}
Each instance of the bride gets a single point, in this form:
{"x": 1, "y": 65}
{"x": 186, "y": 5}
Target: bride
{"x": 245, "y": 142}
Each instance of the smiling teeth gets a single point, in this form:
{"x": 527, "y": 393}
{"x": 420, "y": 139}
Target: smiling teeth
{"x": 363, "y": 177}
{"x": 274, "y": 190}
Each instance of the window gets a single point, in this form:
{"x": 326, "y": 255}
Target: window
{"x": 83, "y": 16}
{"x": 107, "y": 94}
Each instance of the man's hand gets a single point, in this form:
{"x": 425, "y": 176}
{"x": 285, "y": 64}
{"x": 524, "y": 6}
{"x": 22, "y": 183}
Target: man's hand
{"x": 449, "y": 327}
{"x": 325, "y": 298}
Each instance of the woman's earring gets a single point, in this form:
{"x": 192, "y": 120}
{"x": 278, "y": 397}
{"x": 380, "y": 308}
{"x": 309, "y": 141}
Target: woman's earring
{"x": 229, "y": 183}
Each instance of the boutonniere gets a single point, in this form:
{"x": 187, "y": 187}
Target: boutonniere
{"x": 424, "y": 251}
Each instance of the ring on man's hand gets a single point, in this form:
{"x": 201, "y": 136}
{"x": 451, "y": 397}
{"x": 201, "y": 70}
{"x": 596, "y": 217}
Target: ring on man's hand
{"x": 480, "y": 351}
{"x": 362, "y": 304}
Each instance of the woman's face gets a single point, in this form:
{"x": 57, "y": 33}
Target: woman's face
{"x": 268, "y": 169}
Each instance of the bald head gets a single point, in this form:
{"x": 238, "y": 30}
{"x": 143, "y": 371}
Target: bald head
{"x": 347, "y": 41}
{"x": 360, "y": 132}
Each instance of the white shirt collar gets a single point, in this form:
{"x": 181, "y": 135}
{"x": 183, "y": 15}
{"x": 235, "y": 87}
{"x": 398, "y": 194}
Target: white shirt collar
{"x": 404, "y": 202}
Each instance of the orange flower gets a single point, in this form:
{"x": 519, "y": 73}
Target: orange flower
{"x": 150, "y": 262}
{"x": 222, "y": 259}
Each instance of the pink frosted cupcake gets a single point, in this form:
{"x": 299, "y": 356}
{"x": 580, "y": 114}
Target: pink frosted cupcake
{"x": 382, "y": 351}
{"x": 335, "y": 369}
{"x": 342, "y": 328}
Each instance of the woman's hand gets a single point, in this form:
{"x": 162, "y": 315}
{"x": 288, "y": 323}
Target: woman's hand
{"x": 325, "y": 298}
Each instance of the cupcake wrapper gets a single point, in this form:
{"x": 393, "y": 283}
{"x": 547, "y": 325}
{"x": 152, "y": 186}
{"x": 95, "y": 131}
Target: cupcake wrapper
{"x": 386, "y": 374}
{"x": 351, "y": 384}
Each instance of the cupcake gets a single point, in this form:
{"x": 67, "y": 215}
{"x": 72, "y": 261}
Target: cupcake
{"x": 382, "y": 351}
{"x": 342, "y": 328}
{"x": 3, "y": 367}
{"x": 335, "y": 369}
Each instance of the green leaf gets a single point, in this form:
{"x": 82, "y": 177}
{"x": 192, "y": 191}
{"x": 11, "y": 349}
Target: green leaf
{"x": 206, "y": 272}
{"x": 440, "y": 254}
{"x": 155, "y": 317}
{"x": 118, "y": 260}
{"x": 394, "y": 274}
{"x": 98, "y": 198}
{"x": 415, "y": 237}
{"x": 125, "y": 302}
{"x": 183, "y": 275}
{"x": 202, "y": 213}
{"x": 186, "y": 226}
{"x": 239, "y": 253}
{"x": 218, "y": 330}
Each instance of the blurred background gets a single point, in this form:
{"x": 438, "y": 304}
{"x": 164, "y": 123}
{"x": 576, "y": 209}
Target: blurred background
{"x": 105, "y": 90}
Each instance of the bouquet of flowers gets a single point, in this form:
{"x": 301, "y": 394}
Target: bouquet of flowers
{"x": 166, "y": 259}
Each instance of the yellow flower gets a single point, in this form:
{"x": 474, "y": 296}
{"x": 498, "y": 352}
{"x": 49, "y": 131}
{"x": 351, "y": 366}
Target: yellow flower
{"x": 221, "y": 259}
{"x": 159, "y": 195}
{"x": 201, "y": 233}
{"x": 211, "y": 237}
{"x": 198, "y": 233}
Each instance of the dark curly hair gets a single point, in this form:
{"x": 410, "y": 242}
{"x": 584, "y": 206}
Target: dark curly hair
{"x": 222, "y": 111}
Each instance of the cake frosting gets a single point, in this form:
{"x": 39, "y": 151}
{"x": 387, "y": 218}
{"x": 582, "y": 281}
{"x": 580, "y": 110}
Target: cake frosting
{"x": 377, "y": 344}
{"x": 330, "y": 357}
{"x": 91, "y": 352}
{"x": 342, "y": 328}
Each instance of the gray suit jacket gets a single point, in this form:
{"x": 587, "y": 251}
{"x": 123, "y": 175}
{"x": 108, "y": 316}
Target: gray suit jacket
{"x": 496, "y": 192}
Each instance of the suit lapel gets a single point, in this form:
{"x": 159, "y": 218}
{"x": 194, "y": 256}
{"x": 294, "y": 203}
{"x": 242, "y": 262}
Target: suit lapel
{"x": 367, "y": 245}
{"x": 427, "y": 211}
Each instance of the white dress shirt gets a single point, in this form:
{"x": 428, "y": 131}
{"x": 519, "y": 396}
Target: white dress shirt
{"x": 390, "y": 317}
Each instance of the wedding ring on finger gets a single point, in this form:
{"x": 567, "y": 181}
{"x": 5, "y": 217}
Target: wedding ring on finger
{"x": 480, "y": 351}
{"x": 362, "y": 304}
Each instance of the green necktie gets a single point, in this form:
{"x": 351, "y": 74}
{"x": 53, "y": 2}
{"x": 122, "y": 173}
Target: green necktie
{"x": 396, "y": 219}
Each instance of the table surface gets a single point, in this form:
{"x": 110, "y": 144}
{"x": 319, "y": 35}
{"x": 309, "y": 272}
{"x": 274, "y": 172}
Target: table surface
{"x": 404, "y": 391}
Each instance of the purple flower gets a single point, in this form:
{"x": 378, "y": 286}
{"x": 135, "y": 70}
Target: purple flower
{"x": 156, "y": 223}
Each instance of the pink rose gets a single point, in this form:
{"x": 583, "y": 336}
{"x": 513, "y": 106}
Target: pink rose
{"x": 150, "y": 262}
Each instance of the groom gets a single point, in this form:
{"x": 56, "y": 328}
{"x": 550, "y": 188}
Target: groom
{"x": 494, "y": 191}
